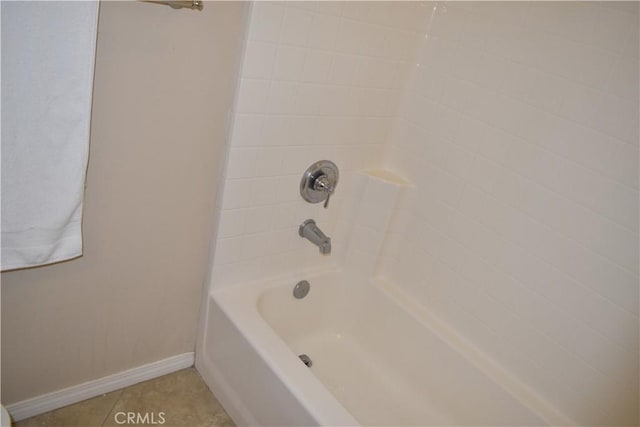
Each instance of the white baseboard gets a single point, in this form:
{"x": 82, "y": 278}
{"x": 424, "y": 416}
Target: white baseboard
{"x": 67, "y": 396}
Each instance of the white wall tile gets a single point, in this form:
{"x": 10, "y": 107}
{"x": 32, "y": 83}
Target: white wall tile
{"x": 372, "y": 41}
{"x": 287, "y": 131}
{"x": 283, "y": 215}
{"x": 324, "y": 7}
{"x": 237, "y": 194}
{"x": 268, "y": 162}
{"x": 623, "y": 81}
{"x": 231, "y": 223}
{"x": 247, "y": 130}
{"x": 231, "y": 274}
{"x": 289, "y": 63}
{"x": 258, "y": 219}
{"x": 601, "y": 111}
{"x": 343, "y": 68}
{"x": 252, "y": 96}
{"x": 586, "y": 64}
{"x": 372, "y": 72}
{"x": 448, "y": 23}
{"x": 631, "y": 45}
{"x": 229, "y": 250}
{"x": 296, "y": 24}
{"x": 349, "y": 36}
{"x": 398, "y": 45}
{"x": 283, "y": 98}
{"x": 606, "y": 28}
{"x": 323, "y": 31}
{"x": 266, "y": 21}
{"x": 588, "y": 147}
{"x": 259, "y": 59}
{"x": 287, "y": 191}
{"x": 316, "y": 66}
{"x": 491, "y": 70}
{"x": 263, "y": 191}
{"x": 240, "y": 163}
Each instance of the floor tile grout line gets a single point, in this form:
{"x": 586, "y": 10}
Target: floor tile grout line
{"x": 106, "y": 417}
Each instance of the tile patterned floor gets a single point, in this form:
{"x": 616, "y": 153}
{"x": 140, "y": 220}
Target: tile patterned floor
{"x": 181, "y": 399}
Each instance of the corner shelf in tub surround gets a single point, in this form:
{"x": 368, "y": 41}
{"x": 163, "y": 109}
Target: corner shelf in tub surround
{"x": 378, "y": 195}
{"x": 386, "y": 176}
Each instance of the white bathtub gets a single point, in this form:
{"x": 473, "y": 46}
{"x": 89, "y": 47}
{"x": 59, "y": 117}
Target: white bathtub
{"x": 373, "y": 362}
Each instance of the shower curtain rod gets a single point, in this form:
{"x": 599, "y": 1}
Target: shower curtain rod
{"x": 189, "y": 4}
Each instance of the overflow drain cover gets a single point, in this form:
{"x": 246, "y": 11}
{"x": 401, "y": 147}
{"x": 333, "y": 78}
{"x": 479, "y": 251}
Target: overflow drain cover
{"x": 306, "y": 360}
{"x": 301, "y": 289}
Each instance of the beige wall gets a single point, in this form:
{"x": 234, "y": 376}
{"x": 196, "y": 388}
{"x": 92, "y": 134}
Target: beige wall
{"x": 164, "y": 85}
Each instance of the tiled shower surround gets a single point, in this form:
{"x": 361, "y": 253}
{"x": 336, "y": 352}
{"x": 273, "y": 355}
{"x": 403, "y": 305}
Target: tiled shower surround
{"x": 516, "y": 128}
{"x": 319, "y": 81}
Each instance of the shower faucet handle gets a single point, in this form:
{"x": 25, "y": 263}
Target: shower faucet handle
{"x": 319, "y": 182}
{"x": 323, "y": 183}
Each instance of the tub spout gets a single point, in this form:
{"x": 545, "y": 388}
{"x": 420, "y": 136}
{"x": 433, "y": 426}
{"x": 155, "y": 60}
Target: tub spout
{"x": 325, "y": 248}
{"x": 311, "y": 232}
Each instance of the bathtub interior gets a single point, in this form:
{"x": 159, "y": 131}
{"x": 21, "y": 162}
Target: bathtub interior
{"x": 380, "y": 363}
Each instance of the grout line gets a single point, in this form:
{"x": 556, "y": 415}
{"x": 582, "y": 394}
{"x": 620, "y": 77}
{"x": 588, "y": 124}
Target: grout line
{"x": 505, "y": 165}
{"x": 534, "y": 254}
{"x": 557, "y": 114}
{"x": 554, "y": 228}
{"x": 520, "y": 282}
{"x": 106, "y": 417}
{"x": 323, "y": 84}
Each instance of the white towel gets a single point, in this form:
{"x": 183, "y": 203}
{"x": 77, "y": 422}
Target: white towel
{"x": 48, "y": 55}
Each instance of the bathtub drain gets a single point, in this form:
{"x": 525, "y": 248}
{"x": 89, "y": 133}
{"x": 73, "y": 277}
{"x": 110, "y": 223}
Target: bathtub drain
{"x": 306, "y": 360}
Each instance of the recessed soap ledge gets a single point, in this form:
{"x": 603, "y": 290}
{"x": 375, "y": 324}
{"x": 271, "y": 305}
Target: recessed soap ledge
{"x": 376, "y": 199}
{"x": 387, "y": 176}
